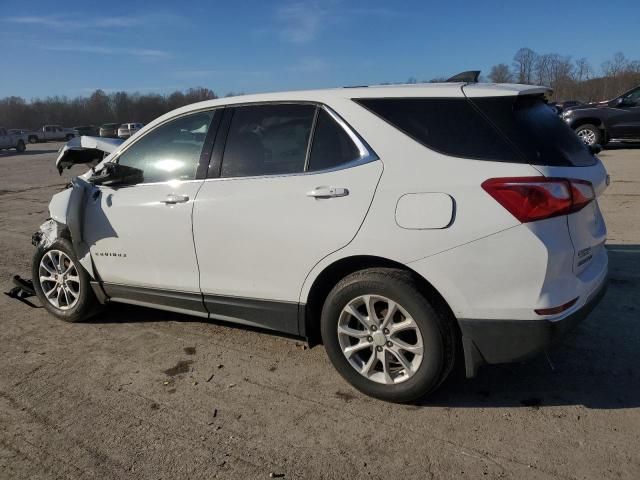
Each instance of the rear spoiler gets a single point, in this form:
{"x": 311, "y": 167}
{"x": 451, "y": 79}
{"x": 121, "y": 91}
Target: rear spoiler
{"x": 85, "y": 150}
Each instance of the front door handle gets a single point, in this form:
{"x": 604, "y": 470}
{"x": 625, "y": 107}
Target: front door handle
{"x": 328, "y": 192}
{"x": 172, "y": 199}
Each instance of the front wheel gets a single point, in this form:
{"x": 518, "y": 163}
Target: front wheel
{"x": 20, "y": 147}
{"x": 384, "y": 337}
{"x": 589, "y": 134}
{"x": 61, "y": 284}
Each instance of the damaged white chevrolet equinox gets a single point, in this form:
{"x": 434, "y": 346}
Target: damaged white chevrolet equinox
{"x": 400, "y": 225}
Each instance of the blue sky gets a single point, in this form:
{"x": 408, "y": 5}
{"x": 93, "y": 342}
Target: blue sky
{"x": 71, "y": 48}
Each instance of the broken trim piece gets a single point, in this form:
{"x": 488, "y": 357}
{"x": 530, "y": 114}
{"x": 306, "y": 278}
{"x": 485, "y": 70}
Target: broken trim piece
{"x": 85, "y": 150}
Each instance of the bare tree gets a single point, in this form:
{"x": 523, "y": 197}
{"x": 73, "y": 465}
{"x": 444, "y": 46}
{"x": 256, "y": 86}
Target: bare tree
{"x": 613, "y": 68}
{"x": 500, "y": 73}
{"x": 524, "y": 62}
{"x": 582, "y": 70}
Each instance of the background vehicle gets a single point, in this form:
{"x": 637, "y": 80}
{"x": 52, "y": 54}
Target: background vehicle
{"x": 87, "y": 130}
{"x": 128, "y": 129}
{"x": 19, "y": 131}
{"x": 599, "y": 123}
{"x": 12, "y": 140}
{"x": 109, "y": 130}
{"x": 562, "y": 106}
{"x": 51, "y": 132}
{"x": 361, "y": 216}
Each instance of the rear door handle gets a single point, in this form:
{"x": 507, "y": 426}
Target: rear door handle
{"x": 328, "y": 192}
{"x": 172, "y": 199}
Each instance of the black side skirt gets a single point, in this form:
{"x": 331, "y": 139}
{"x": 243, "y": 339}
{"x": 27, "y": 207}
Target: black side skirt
{"x": 274, "y": 315}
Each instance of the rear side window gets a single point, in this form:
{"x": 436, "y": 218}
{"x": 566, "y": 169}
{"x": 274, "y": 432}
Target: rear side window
{"x": 535, "y": 130}
{"x": 448, "y": 125}
{"x": 267, "y": 140}
{"x": 516, "y": 129}
{"x": 332, "y": 146}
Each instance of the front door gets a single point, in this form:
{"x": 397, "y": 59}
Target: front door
{"x": 4, "y": 139}
{"x": 280, "y": 204}
{"x": 626, "y": 122}
{"x": 140, "y": 236}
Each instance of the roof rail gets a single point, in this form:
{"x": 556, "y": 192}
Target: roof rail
{"x": 470, "y": 76}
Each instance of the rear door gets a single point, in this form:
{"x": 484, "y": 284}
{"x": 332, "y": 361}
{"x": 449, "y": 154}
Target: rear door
{"x": 293, "y": 185}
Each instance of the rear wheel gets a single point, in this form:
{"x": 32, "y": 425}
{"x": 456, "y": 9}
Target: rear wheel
{"x": 20, "y": 147}
{"x": 589, "y": 134}
{"x": 61, "y": 284}
{"x": 384, "y": 337}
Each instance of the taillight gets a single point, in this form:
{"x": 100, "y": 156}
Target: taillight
{"x": 536, "y": 198}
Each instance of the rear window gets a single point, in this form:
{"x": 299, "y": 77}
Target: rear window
{"x": 504, "y": 129}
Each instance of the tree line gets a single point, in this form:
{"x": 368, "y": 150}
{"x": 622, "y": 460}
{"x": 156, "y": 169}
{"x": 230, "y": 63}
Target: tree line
{"x": 97, "y": 109}
{"x": 570, "y": 79}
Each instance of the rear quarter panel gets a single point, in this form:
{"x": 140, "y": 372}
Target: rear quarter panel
{"x": 409, "y": 167}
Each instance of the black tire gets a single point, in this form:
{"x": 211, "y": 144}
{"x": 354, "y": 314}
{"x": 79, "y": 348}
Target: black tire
{"x": 590, "y": 134}
{"x": 20, "y": 147}
{"x": 87, "y": 304}
{"x": 33, "y": 139}
{"x": 438, "y": 334}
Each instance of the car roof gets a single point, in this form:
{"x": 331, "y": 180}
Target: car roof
{"x": 426, "y": 90}
{"x": 376, "y": 91}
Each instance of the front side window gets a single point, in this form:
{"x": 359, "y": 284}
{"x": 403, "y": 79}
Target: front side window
{"x": 170, "y": 151}
{"x": 267, "y": 140}
{"x": 633, "y": 98}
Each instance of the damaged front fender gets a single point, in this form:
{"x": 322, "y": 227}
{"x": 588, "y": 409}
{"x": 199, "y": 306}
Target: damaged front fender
{"x": 67, "y": 221}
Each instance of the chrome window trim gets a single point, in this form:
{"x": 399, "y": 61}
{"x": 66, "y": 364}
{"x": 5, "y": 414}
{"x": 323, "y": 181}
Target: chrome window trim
{"x": 367, "y": 154}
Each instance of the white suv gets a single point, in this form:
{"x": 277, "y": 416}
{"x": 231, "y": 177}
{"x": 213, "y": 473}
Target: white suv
{"x": 393, "y": 224}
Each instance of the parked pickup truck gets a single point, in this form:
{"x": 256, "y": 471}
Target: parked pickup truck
{"x": 12, "y": 140}
{"x": 51, "y": 132}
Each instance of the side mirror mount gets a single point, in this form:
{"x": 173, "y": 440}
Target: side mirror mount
{"x": 112, "y": 174}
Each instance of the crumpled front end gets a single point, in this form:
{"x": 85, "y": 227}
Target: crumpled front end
{"x": 84, "y": 149}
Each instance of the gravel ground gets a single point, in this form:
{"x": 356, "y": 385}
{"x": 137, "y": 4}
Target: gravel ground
{"x": 138, "y": 393}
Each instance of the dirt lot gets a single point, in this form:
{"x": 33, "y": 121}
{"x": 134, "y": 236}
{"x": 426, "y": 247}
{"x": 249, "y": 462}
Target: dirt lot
{"x": 138, "y": 393}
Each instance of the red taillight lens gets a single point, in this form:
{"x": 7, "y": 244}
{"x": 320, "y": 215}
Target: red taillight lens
{"x": 535, "y": 198}
{"x": 558, "y": 309}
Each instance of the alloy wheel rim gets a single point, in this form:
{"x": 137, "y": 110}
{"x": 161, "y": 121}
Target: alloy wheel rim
{"x": 587, "y": 136}
{"x": 59, "y": 279}
{"x": 380, "y": 340}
